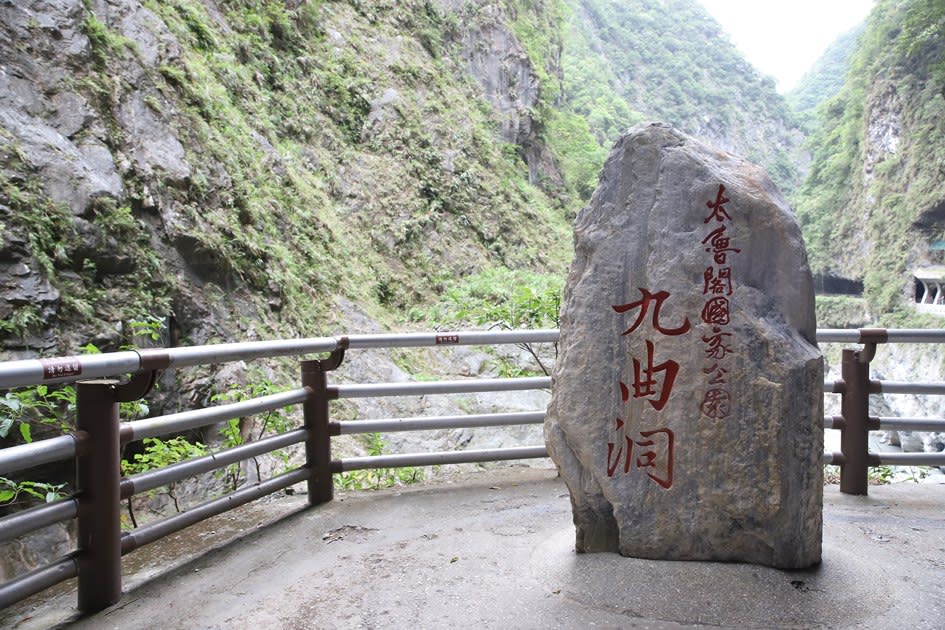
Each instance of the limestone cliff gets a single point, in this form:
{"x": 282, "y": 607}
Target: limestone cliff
{"x": 873, "y": 203}
{"x": 235, "y": 166}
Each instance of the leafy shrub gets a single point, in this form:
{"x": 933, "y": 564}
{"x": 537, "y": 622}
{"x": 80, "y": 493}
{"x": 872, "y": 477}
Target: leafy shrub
{"x": 375, "y": 479}
{"x": 499, "y": 298}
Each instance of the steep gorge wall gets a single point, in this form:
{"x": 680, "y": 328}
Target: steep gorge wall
{"x": 871, "y": 205}
{"x": 238, "y": 165}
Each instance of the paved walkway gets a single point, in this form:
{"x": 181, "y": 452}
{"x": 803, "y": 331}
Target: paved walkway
{"x": 495, "y": 550}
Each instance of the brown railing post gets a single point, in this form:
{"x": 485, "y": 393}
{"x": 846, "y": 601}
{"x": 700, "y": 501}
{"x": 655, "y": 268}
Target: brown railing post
{"x": 854, "y": 407}
{"x": 315, "y": 409}
{"x": 97, "y": 483}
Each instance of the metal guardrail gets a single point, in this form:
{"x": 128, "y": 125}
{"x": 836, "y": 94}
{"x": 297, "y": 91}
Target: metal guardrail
{"x": 92, "y": 366}
{"x": 96, "y": 444}
{"x": 855, "y": 422}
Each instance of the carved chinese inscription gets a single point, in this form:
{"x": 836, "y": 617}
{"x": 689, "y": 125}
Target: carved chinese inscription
{"x": 717, "y": 289}
{"x": 650, "y": 450}
{"x": 654, "y": 377}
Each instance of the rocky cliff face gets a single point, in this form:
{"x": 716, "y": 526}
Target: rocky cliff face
{"x": 869, "y": 207}
{"x": 500, "y": 65}
{"x": 219, "y": 163}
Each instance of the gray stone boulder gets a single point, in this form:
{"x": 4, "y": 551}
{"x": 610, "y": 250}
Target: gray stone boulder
{"x": 687, "y": 408}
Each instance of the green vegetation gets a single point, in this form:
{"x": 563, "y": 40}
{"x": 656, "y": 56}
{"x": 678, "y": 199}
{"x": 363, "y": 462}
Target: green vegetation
{"x": 377, "y": 478}
{"x": 841, "y": 311}
{"x": 104, "y": 43}
{"x": 670, "y": 61}
{"x": 419, "y": 207}
{"x": 879, "y": 155}
{"x": 27, "y": 214}
{"x": 37, "y": 410}
{"x": 239, "y": 431}
{"x": 11, "y": 491}
{"x": 825, "y": 78}
{"x": 499, "y": 298}
{"x": 160, "y": 453}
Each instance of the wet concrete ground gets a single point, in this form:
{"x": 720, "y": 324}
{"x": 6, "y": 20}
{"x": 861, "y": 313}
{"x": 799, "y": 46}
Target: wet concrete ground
{"x": 495, "y": 550}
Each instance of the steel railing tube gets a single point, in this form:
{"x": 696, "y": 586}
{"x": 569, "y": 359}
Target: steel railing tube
{"x": 880, "y": 335}
{"x": 93, "y": 366}
{"x": 915, "y": 335}
{"x": 896, "y": 387}
{"x": 910, "y": 459}
{"x": 423, "y": 388}
{"x": 152, "y": 479}
{"x": 459, "y": 338}
{"x": 23, "y": 456}
{"x": 837, "y": 335}
{"x": 439, "y": 458}
{"x": 66, "y": 369}
{"x": 247, "y": 351}
{"x": 154, "y": 531}
{"x": 834, "y": 387}
{"x": 20, "y": 523}
{"x": 911, "y": 424}
{"x": 37, "y": 580}
{"x": 186, "y": 420}
{"x": 393, "y": 425}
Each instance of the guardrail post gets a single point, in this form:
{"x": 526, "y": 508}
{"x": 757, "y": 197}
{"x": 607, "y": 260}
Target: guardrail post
{"x": 315, "y": 409}
{"x": 854, "y": 407}
{"x": 97, "y": 481}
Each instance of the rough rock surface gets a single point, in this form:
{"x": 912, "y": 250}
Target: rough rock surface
{"x": 686, "y": 415}
{"x": 498, "y": 62}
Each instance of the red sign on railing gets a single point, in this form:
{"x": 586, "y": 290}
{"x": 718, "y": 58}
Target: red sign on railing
{"x": 61, "y": 368}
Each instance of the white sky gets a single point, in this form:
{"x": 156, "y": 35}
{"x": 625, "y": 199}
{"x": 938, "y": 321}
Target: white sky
{"x": 784, "y": 38}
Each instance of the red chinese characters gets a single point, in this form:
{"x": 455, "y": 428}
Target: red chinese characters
{"x": 644, "y": 305}
{"x": 651, "y": 451}
{"x": 718, "y": 207}
{"x": 717, "y": 288}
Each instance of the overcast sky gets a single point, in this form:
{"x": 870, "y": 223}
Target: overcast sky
{"x": 783, "y": 39}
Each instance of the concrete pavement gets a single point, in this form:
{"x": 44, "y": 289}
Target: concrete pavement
{"x": 495, "y": 550}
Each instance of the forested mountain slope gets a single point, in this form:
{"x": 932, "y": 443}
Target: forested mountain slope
{"x": 669, "y": 60}
{"x": 825, "y": 78}
{"x": 874, "y": 201}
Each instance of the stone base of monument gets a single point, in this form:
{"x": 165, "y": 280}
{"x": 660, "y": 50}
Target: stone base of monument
{"x": 687, "y": 403}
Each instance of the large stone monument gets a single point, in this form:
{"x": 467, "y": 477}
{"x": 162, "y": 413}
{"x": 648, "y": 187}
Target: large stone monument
{"x": 687, "y": 408}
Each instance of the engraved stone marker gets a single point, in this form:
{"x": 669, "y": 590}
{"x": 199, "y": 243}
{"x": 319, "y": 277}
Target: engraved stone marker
{"x": 687, "y": 408}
